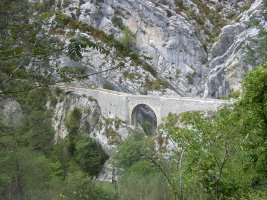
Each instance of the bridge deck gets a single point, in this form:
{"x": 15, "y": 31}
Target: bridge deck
{"x": 121, "y": 105}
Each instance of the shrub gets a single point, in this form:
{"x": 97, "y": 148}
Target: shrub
{"x": 89, "y": 155}
{"x": 72, "y": 121}
{"x": 143, "y": 181}
{"x": 62, "y": 19}
{"x": 117, "y": 21}
{"x": 128, "y": 40}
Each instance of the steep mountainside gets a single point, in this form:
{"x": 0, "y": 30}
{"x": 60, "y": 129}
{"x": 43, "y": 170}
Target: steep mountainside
{"x": 175, "y": 38}
{"x": 227, "y": 58}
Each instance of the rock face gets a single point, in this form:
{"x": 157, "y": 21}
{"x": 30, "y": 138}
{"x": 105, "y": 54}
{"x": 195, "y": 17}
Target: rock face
{"x": 10, "y": 112}
{"x": 227, "y": 59}
{"x": 177, "y": 38}
{"x": 166, "y": 37}
{"x": 89, "y": 109}
{"x": 107, "y": 131}
{"x": 170, "y": 40}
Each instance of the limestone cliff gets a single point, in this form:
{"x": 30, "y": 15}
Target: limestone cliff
{"x": 107, "y": 131}
{"x": 178, "y": 36}
{"x": 227, "y": 59}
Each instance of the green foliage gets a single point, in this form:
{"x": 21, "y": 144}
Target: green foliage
{"x": 41, "y": 134}
{"x": 77, "y": 44}
{"x": 24, "y": 42}
{"x": 121, "y": 51}
{"x": 61, "y": 19}
{"x": 112, "y": 135}
{"x": 35, "y": 127}
{"x": 72, "y": 121}
{"x": 143, "y": 181}
{"x": 256, "y": 49}
{"x": 89, "y": 155}
{"x": 128, "y": 40}
{"x": 117, "y": 21}
{"x": 179, "y": 3}
{"x": 206, "y": 13}
{"x": 68, "y": 73}
{"x": 31, "y": 165}
{"x": 29, "y": 174}
{"x": 44, "y": 6}
{"x": 141, "y": 171}
{"x": 233, "y": 95}
{"x": 247, "y": 5}
{"x": 224, "y": 155}
{"x": 147, "y": 126}
{"x": 80, "y": 186}
{"x": 158, "y": 84}
{"x": 131, "y": 75}
{"x": 133, "y": 150}
{"x": 252, "y": 107}
{"x": 213, "y": 154}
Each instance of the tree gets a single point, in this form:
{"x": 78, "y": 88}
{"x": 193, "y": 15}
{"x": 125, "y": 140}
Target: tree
{"x": 224, "y": 153}
{"x": 212, "y": 162}
{"x": 143, "y": 180}
{"x": 28, "y": 175}
{"x": 133, "y": 150}
{"x": 80, "y": 186}
{"x": 252, "y": 110}
{"x": 256, "y": 46}
{"x": 28, "y": 52}
{"x": 89, "y": 155}
{"x": 142, "y": 172}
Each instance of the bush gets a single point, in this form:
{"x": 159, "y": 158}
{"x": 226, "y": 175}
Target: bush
{"x": 143, "y": 181}
{"x": 72, "y": 121}
{"x": 133, "y": 150}
{"x": 128, "y": 40}
{"x": 80, "y": 186}
{"x": 62, "y": 19}
{"x": 117, "y": 21}
{"x": 89, "y": 155}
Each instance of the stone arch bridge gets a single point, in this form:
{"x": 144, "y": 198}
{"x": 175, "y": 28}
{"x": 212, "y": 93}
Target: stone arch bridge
{"x": 122, "y": 105}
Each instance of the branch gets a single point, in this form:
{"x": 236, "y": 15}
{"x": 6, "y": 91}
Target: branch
{"x": 166, "y": 176}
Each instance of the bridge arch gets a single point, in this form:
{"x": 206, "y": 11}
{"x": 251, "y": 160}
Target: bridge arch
{"x": 145, "y": 116}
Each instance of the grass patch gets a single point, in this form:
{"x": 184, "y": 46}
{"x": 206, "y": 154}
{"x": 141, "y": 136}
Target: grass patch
{"x": 157, "y": 84}
{"x": 107, "y": 186}
{"x": 233, "y": 95}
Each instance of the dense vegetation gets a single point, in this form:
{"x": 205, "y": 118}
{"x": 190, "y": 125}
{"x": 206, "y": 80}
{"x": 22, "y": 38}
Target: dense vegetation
{"x": 225, "y": 153}
{"x": 32, "y": 166}
{"x": 221, "y": 155}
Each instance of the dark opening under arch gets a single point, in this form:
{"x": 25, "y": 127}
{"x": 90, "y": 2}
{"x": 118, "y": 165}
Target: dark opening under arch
{"x": 143, "y": 115}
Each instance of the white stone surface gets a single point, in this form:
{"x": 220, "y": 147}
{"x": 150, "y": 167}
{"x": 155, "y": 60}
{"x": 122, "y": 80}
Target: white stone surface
{"x": 116, "y": 104}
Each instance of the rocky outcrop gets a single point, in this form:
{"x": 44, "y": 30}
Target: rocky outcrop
{"x": 89, "y": 109}
{"x": 10, "y": 112}
{"x": 227, "y": 58}
{"x": 176, "y": 36}
{"x": 160, "y": 33}
{"x": 108, "y": 132}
